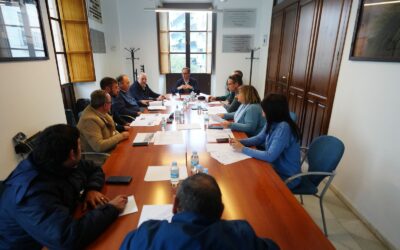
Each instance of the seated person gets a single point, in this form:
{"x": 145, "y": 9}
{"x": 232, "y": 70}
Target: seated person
{"x": 124, "y": 103}
{"x": 110, "y": 85}
{"x": 186, "y": 84}
{"x": 248, "y": 118}
{"x": 97, "y": 126}
{"x": 41, "y": 195}
{"x": 233, "y": 107}
{"x": 142, "y": 92}
{"x": 232, "y": 85}
{"x": 280, "y": 138}
{"x": 196, "y": 223}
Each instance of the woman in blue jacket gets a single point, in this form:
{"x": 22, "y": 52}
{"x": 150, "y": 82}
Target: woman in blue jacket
{"x": 280, "y": 136}
{"x": 248, "y": 118}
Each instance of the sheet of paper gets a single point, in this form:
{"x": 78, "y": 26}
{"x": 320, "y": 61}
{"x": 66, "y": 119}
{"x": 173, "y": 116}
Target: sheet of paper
{"x": 147, "y": 120}
{"x": 228, "y": 157}
{"x": 188, "y": 126}
{"x": 216, "y": 119}
{"x": 214, "y": 134}
{"x": 216, "y": 110}
{"x": 156, "y": 108}
{"x": 156, "y": 103}
{"x": 130, "y": 206}
{"x": 218, "y": 147}
{"x": 144, "y": 137}
{"x": 214, "y": 103}
{"x": 162, "y": 173}
{"x": 156, "y": 212}
{"x": 168, "y": 138}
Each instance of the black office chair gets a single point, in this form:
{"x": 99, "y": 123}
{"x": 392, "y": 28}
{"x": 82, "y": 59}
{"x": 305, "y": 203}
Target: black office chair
{"x": 323, "y": 156}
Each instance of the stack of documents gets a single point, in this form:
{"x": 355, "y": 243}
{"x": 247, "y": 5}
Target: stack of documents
{"x": 142, "y": 138}
{"x": 157, "y": 108}
{"x": 162, "y": 173}
{"x": 214, "y": 103}
{"x": 168, "y": 138}
{"x": 216, "y": 119}
{"x": 156, "y": 212}
{"x": 224, "y": 153}
{"x": 216, "y": 110}
{"x": 188, "y": 126}
{"x": 148, "y": 120}
{"x": 214, "y": 134}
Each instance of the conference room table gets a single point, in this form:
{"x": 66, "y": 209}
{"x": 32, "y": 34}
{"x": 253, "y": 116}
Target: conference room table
{"x": 251, "y": 190}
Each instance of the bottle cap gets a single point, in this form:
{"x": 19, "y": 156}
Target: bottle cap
{"x": 174, "y": 163}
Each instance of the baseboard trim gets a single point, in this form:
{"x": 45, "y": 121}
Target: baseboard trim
{"x": 371, "y": 227}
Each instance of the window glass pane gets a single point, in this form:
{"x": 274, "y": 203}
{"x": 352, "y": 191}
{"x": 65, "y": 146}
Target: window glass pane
{"x": 177, "y": 42}
{"x": 62, "y": 68}
{"x": 53, "y": 8}
{"x": 32, "y": 15}
{"x": 11, "y": 15}
{"x": 16, "y": 37}
{"x": 198, "y": 41}
{"x": 198, "y": 21}
{"x": 19, "y": 53}
{"x": 209, "y": 21}
{"x": 198, "y": 63}
{"x": 177, "y": 20}
{"x": 37, "y": 38}
{"x": 209, "y": 57}
{"x": 177, "y": 62}
{"x": 57, "y": 36}
{"x": 39, "y": 53}
{"x": 209, "y": 41}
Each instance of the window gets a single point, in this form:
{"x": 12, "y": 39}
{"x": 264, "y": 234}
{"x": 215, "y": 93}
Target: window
{"x": 72, "y": 47}
{"x": 185, "y": 40}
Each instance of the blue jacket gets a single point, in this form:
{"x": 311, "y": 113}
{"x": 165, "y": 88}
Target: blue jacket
{"x": 251, "y": 122}
{"x": 37, "y": 206}
{"x": 282, "y": 149}
{"x": 192, "y": 82}
{"x": 192, "y": 231}
{"x": 137, "y": 92}
{"x": 124, "y": 104}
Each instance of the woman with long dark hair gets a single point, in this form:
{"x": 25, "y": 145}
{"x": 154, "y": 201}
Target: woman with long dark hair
{"x": 280, "y": 136}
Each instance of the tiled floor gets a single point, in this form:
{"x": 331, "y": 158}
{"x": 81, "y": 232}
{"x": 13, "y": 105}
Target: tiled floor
{"x": 345, "y": 230}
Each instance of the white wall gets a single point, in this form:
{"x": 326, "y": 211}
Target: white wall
{"x": 30, "y": 100}
{"x": 109, "y": 63}
{"x": 226, "y": 63}
{"x": 366, "y": 117}
{"x": 138, "y": 28}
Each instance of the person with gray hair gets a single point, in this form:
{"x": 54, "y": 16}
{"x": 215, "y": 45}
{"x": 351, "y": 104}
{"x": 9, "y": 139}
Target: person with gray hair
{"x": 186, "y": 84}
{"x": 196, "y": 223}
{"x": 141, "y": 91}
{"x": 97, "y": 127}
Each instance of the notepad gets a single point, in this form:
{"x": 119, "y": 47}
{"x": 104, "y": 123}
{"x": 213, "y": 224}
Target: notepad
{"x": 162, "y": 173}
{"x": 156, "y": 212}
{"x": 130, "y": 207}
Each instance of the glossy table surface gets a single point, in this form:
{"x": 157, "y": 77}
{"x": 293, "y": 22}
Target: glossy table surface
{"x": 250, "y": 188}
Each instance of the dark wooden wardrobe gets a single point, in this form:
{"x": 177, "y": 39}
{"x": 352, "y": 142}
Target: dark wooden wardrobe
{"x": 304, "y": 55}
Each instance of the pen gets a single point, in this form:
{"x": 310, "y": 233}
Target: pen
{"x": 230, "y": 139}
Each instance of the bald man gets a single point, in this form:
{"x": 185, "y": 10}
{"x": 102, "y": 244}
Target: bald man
{"x": 141, "y": 91}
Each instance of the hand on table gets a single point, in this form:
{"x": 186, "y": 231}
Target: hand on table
{"x": 125, "y": 135}
{"x": 93, "y": 199}
{"x": 119, "y": 202}
{"x": 226, "y": 124}
{"x": 236, "y": 145}
{"x": 127, "y": 127}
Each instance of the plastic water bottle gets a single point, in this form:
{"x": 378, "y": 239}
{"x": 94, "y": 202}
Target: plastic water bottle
{"x": 177, "y": 114}
{"x": 174, "y": 174}
{"x": 206, "y": 119}
{"x": 194, "y": 161}
{"x": 163, "y": 124}
{"x": 192, "y": 96}
{"x": 205, "y": 170}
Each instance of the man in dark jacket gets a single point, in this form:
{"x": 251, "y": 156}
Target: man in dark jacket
{"x": 196, "y": 224}
{"x": 186, "y": 84}
{"x": 141, "y": 91}
{"x": 42, "y": 193}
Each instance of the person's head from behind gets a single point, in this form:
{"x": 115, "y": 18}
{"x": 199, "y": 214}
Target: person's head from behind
{"x": 58, "y": 145}
{"x": 238, "y": 73}
{"x": 101, "y": 101}
{"x": 234, "y": 82}
{"x": 123, "y": 82}
{"x": 110, "y": 85}
{"x": 142, "y": 80}
{"x": 248, "y": 95}
{"x": 276, "y": 109}
{"x": 186, "y": 74}
{"x": 199, "y": 194}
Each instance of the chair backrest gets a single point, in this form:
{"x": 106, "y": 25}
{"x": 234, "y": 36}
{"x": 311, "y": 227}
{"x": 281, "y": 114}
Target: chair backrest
{"x": 70, "y": 117}
{"x": 324, "y": 155}
{"x": 293, "y": 116}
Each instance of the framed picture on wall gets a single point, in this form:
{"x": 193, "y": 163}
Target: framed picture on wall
{"x": 21, "y": 31}
{"x": 376, "y": 35}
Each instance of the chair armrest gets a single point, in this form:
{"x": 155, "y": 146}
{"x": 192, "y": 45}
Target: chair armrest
{"x": 128, "y": 118}
{"x": 303, "y": 154}
{"x": 333, "y": 173}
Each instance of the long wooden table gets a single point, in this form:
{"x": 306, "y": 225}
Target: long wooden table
{"x": 251, "y": 190}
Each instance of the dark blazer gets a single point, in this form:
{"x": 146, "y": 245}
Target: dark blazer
{"x": 192, "y": 231}
{"x": 192, "y": 82}
{"x": 124, "y": 104}
{"x": 137, "y": 92}
{"x": 38, "y": 202}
